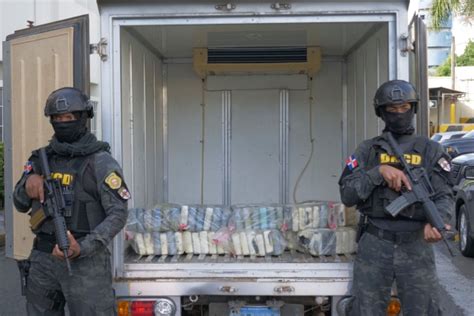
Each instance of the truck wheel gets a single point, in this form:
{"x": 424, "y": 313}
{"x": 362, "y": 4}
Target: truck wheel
{"x": 466, "y": 242}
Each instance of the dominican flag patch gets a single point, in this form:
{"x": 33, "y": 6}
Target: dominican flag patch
{"x": 28, "y": 167}
{"x": 352, "y": 162}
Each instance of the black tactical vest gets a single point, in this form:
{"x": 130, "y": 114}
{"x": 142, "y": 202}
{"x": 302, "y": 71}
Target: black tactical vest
{"x": 83, "y": 211}
{"x": 380, "y": 153}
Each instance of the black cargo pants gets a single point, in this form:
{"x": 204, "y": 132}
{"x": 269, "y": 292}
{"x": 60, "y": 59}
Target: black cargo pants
{"x": 379, "y": 262}
{"x": 87, "y": 292}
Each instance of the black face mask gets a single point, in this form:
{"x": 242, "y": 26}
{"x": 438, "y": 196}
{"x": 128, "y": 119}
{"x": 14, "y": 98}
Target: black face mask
{"x": 69, "y": 132}
{"x": 399, "y": 123}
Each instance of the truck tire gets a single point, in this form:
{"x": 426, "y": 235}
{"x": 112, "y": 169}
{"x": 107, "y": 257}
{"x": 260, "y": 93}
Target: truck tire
{"x": 466, "y": 242}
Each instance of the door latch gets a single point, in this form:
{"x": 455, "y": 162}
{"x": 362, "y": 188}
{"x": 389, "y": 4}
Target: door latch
{"x": 225, "y": 7}
{"x": 228, "y": 289}
{"x": 280, "y": 6}
{"x": 284, "y": 289}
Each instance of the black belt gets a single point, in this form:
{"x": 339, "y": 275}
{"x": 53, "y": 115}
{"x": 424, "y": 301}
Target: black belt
{"x": 44, "y": 244}
{"x": 395, "y": 237}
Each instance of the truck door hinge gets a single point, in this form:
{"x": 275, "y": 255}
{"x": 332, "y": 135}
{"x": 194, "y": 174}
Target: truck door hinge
{"x": 405, "y": 44}
{"x": 100, "y": 49}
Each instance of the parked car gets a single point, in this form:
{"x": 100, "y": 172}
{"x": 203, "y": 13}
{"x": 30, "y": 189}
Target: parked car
{"x": 462, "y": 173}
{"x": 460, "y": 146}
{"x": 441, "y": 137}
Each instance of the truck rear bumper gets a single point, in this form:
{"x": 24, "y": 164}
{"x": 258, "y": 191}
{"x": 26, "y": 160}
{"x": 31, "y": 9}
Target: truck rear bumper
{"x": 234, "y": 287}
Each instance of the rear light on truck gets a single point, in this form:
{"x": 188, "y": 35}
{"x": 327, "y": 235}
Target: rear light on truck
{"x": 155, "y": 307}
{"x": 344, "y": 305}
{"x": 394, "y": 307}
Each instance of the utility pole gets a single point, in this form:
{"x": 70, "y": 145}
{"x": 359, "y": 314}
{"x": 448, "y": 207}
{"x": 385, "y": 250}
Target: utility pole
{"x": 453, "y": 64}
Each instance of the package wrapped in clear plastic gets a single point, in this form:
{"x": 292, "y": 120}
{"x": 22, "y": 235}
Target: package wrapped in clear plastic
{"x": 203, "y": 218}
{"x": 318, "y": 242}
{"x": 242, "y": 230}
{"x": 223, "y": 240}
{"x": 137, "y": 243}
{"x": 332, "y": 218}
{"x": 345, "y": 240}
{"x": 346, "y": 216}
{"x": 135, "y": 220}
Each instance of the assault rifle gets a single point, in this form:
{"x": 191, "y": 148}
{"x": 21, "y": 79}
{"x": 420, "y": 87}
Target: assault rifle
{"x": 55, "y": 207}
{"x": 421, "y": 191}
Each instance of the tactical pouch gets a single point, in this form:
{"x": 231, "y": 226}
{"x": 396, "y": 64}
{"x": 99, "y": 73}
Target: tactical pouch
{"x": 38, "y": 215}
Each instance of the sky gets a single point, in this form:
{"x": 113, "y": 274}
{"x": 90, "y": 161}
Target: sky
{"x": 462, "y": 32}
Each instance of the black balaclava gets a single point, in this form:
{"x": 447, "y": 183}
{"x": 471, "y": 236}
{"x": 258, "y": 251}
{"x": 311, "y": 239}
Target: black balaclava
{"x": 72, "y": 131}
{"x": 399, "y": 123}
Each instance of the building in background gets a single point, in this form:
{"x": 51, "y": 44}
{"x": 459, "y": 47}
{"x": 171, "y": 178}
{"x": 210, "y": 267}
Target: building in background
{"x": 14, "y": 15}
{"x": 439, "y": 42}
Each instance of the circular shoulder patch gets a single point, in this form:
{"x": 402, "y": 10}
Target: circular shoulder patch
{"x": 124, "y": 194}
{"x": 113, "y": 181}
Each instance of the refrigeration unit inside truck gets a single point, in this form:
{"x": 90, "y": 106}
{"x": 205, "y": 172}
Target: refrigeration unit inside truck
{"x": 232, "y": 122}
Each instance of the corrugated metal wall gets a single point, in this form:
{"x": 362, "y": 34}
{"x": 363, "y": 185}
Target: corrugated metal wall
{"x": 367, "y": 68}
{"x": 142, "y": 120}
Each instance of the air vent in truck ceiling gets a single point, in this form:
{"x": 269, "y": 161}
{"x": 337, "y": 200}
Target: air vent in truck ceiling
{"x": 256, "y": 60}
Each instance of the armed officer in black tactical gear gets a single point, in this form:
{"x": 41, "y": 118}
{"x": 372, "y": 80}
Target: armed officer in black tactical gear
{"x": 95, "y": 196}
{"x": 395, "y": 248}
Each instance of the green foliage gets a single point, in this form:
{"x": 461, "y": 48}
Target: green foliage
{"x": 442, "y": 9}
{"x": 444, "y": 70}
{"x": 467, "y": 58}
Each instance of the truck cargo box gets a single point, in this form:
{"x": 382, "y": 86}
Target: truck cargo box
{"x": 242, "y": 103}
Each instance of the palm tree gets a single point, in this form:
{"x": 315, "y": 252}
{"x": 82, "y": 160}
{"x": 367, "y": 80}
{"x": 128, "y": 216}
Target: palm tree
{"x": 442, "y": 9}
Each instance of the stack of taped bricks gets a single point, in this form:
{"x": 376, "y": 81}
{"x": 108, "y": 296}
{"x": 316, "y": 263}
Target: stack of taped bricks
{"x": 319, "y": 228}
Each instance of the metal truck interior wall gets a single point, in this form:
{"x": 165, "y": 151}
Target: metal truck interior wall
{"x": 255, "y": 136}
{"x": 142, "y": 122}
{"x": 367, "y": 68}
{"x": 256, "y": 127}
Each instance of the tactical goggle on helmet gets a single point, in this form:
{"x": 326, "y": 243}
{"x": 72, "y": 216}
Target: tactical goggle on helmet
{"x": 68, "y": 100}
{"x": 395, "y": 92}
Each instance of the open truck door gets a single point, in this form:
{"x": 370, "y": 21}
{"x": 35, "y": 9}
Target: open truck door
{"x": 418, "y": 51}
{"x": 37, "y": 60}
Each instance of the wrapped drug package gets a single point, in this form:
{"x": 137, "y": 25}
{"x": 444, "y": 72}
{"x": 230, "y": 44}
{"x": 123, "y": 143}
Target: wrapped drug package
{"x": 319, "y": 229}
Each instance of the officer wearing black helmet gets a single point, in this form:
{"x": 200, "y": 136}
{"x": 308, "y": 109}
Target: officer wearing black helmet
{"x": 96, "y": 198}
{"x": 395, "y": 248}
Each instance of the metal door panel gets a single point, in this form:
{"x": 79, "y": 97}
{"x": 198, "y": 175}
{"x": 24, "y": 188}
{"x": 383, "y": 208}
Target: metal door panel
{"x": 37, "y": 61}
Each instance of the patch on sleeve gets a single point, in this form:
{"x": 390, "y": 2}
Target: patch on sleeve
{"x": 113, "y": 181}
{"x": 28, "y": 167}
{"x": 124, "y": 194}
{"x": 444, "y": 164}
{"x": 351, "y": 162}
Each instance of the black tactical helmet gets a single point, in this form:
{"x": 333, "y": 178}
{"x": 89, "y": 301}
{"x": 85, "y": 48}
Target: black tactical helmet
{"x": 68, "y": 100}
{"x": 395, "y": 92}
